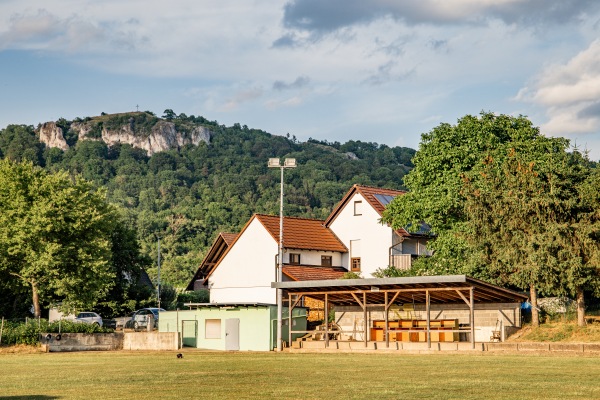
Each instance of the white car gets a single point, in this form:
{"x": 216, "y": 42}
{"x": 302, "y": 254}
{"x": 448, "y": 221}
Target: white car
{"x": 88, "y": 317}
{"x": 140, "y": 318}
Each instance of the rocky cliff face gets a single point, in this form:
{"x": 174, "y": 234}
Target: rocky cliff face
{"x": 163, "y": 136}
{"x": 52, "y": 136}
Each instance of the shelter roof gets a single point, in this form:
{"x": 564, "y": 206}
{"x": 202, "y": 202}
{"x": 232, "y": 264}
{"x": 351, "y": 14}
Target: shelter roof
{"x": 313, "y": 273}
{"x": 442, "y": 289}
{"x": 302, "y": 233}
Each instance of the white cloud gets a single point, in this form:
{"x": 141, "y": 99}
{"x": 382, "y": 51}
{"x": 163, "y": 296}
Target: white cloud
{"x": 570, "y": 93}
{"x": 242, "y": 97}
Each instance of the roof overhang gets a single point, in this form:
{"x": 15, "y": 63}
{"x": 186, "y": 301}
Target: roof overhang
{"x": 441, "y": 289}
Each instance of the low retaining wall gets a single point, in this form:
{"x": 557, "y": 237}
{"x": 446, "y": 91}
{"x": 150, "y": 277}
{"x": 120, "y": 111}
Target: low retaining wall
{"x": 420, "y": 347}
{"x": 82, "y": 341}
{"x": 54, "y": 342}
{"x": 524, "y": 347}
{"x": 151, "y": 341}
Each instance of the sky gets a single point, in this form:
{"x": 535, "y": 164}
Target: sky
{"x": 383, "y": 71}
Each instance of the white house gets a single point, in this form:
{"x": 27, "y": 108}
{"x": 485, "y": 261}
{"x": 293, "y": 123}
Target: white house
{"x": 240, "y": 268}
{"x": 371, "y": 244}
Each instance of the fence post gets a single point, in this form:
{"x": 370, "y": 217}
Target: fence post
{"x": 1, "y": 329}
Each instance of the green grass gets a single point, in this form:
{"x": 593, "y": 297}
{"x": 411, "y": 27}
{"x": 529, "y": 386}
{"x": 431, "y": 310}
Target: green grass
{"x": 201, "y": 375}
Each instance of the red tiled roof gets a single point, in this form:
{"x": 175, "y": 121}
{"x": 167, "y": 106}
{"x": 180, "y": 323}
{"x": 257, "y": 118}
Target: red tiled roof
{"x": 217, "y": 250}
{"x": 302, "y": 233}
{"x": 313, "y": 273}
{"x": 229, "y": 237}
{"x": 369, "y": 194}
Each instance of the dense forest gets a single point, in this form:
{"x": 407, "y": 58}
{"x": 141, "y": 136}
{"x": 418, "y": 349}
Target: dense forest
{"x": 186, "y": 196}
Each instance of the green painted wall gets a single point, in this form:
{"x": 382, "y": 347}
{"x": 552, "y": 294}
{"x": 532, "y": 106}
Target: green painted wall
{"x": 257, "y": 329}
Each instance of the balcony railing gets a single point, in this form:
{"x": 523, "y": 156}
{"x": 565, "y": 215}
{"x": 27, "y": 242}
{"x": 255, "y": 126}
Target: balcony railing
{"x": 401, "y": 261}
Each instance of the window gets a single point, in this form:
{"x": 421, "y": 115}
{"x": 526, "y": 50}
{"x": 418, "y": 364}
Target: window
{"x": 355, "y": 264}
{"x": 326, "y": 261}
{"x": 294, "y": 258}
{"x": 358, "y": 207}
{"x": 212, "y": 329}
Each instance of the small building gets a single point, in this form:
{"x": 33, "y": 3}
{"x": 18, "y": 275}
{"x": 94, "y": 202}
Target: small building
{"x": 241, "y": 326}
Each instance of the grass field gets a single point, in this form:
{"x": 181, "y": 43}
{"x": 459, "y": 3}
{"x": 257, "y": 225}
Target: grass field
{"x": 202, "y": 375}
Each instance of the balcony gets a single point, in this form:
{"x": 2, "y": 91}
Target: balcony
{"x": 401, "y": 261}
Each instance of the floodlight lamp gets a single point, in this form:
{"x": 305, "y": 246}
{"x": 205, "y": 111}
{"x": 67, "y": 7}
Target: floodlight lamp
{"x": 289, "y": 163}
{"x": 274, "y": 163}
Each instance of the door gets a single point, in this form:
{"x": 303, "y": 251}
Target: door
{"x": 189, "y": 333}
{"x": 232, "y": 334}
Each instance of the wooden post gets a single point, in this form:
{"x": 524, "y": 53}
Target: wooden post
{"x": 387, "y": 333}
{"x": 290, "y": 310}
{"x": 326, "y": 321}
{"x": 1, "y": 329}
{"x": 427, "y": 301}
{"x": 472, "y": 317}
{"x": 365, "y": 319}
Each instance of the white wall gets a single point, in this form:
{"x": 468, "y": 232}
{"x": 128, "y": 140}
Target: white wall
{"x": 312, "y": 257}
{"x": 246, "y": 272}
{"x": 375, "y": 238}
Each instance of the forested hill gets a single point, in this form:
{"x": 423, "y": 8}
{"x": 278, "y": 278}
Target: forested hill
{"x": 189, "y": 193}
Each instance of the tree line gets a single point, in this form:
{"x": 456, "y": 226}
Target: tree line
{"x": 184, "y": 196}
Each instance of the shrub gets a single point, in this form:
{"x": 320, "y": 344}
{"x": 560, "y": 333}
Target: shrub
{"x": 29, "y": 332}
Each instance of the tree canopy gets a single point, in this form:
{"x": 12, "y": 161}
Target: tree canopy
{"x": 60, "y": 239}
{"x": 506, "y": 204}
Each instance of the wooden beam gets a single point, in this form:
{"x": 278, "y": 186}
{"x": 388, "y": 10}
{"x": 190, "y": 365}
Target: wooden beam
{"x": 462, "y": 296}
{"x": 290, "y": 309}
{"x": 427, "y": 301}
{"x": 386, "y": 332}
{"x": 365, "y": 332}
{"x": 326, "y": 319}
{"x": 298, "y": 299}
{"x": 361, "y": 304}
{"x": 472, "y": 318}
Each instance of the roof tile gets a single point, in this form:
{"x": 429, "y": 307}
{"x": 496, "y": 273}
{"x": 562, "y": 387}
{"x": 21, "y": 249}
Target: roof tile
{"x": 302, "y": 233}
{"x": 313, "y": 273}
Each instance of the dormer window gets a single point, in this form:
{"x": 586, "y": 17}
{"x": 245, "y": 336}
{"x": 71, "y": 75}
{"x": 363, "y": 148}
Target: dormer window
{"x": 294, "y": 258}
{"x": 326, "y": 261}
{"x": 358, "y": 207}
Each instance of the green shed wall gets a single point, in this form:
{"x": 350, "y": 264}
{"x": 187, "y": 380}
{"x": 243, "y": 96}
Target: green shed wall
{"x": 258, "y": 325}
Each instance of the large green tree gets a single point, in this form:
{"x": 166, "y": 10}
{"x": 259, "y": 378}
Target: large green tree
{"x": 436, "y": 183}
{"x": 507, "y": 205}
{"x": 55, "y": 235}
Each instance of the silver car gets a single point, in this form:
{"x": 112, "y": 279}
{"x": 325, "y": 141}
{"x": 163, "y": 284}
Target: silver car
{"x": 140, "y": 318}
{"x": 88, "y": 317}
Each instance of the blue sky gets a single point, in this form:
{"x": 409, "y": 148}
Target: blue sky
{"x": 372, "y": 70}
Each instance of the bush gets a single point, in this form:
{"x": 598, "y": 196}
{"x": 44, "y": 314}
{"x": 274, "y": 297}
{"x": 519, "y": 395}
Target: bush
{"x": 198, "y": 296}
{"x": 16, "y": 332}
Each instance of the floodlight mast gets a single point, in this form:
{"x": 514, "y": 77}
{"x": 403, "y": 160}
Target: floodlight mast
{"x": 276, "y": 163}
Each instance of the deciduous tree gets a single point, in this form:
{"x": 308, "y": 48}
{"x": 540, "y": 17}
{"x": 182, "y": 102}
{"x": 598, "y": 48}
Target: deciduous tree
{"x": 55, "y": 235}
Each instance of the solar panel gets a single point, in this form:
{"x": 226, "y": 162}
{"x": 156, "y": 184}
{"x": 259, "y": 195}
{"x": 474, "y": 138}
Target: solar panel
{"x": 384, "y": 199}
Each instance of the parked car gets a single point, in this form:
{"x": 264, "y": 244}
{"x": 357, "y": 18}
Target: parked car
{"x": 121, "y": 322}
{"x": 88, "y": 317}
{"x": 139, "y": 320}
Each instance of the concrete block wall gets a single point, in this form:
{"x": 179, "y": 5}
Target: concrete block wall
{"x": 151, "y": 341}
{"x": 111, "y": 341}
{"x": 82, "y": 341}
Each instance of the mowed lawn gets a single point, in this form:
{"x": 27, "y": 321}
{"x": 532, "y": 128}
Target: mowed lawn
{"x": 206, "y": 375}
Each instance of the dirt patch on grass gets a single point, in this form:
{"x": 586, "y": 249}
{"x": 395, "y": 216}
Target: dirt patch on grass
{"x": 558, "y": 332}
{"x": 20, "y": 348}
